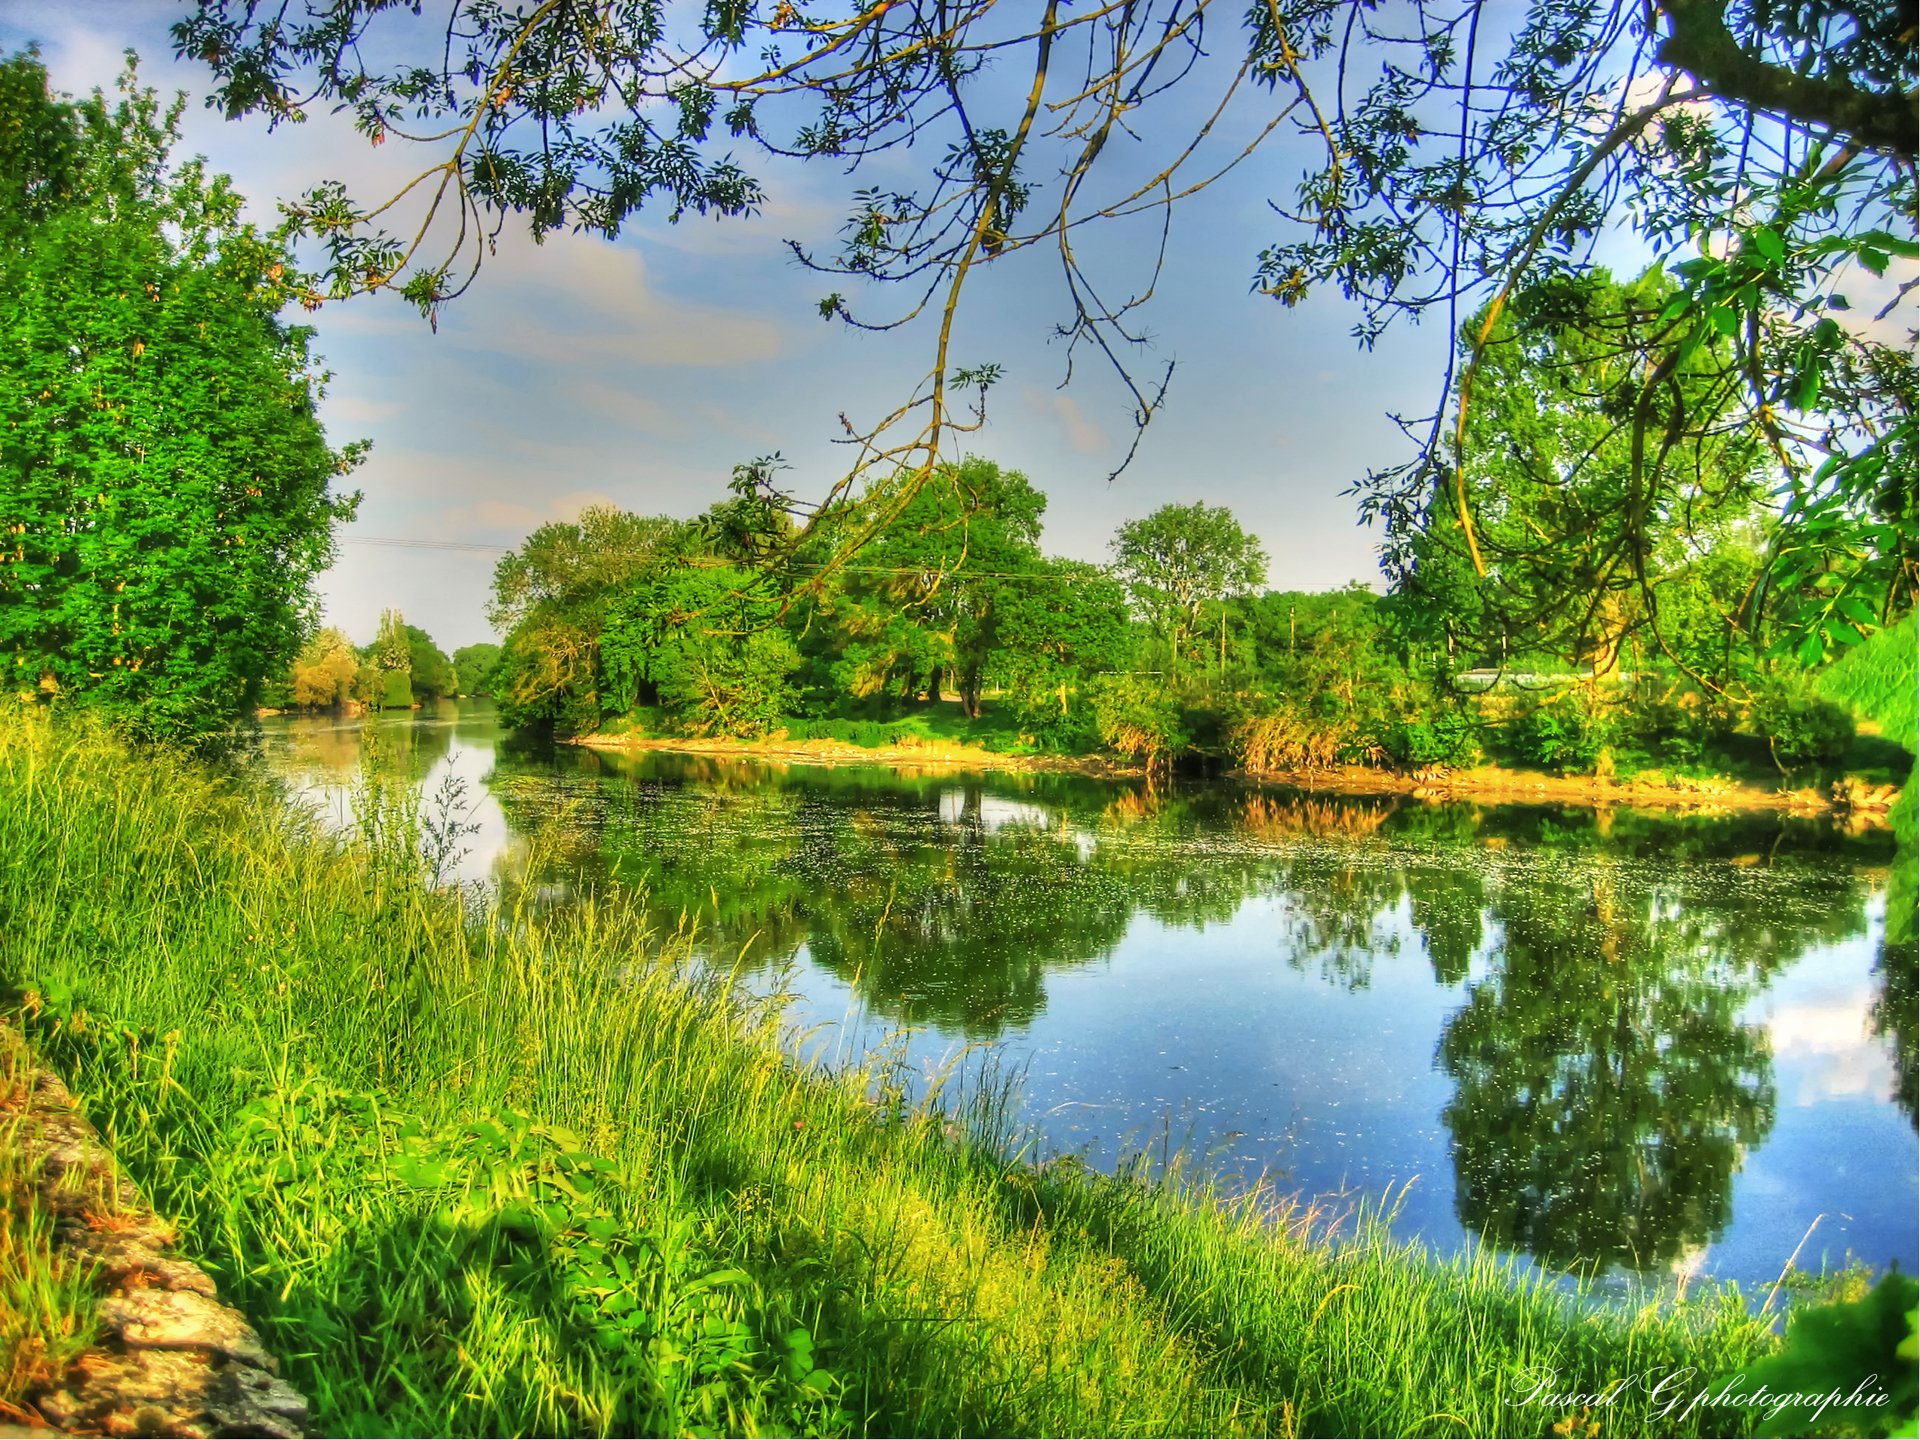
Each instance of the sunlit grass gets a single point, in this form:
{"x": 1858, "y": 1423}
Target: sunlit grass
{"x": 47, "y": 1298}
{"x": 498, "y": 1169}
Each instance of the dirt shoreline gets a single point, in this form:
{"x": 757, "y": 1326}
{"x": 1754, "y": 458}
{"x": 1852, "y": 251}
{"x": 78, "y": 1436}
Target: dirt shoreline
{"x": 1485, "y": 784}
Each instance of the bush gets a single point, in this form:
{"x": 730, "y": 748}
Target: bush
{"x": 1569, "y": 732}
{"x": 1444, "y": 737}
{"x": 1800, "y": 727}
{"x": 1677, "y": 729}
{"x": 1282, "y": 741}
{"x": 1138, "y": 717}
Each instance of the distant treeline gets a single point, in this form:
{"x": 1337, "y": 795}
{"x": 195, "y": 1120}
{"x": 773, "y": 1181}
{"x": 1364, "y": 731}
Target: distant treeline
{"x": 400, "y": 668}
{"x": 731, "y": 624}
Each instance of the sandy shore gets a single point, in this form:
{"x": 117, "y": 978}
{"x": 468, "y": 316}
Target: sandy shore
{"x": 1485, "y": 784}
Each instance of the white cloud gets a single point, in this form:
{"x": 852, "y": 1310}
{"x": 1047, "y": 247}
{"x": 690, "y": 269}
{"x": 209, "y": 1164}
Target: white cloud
{"x": 1082, "y": 434}
{"x": 579, "y": 301}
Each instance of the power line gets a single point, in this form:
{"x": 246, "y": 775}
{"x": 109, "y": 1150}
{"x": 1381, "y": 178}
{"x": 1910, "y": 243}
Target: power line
{"x": 913, "y": 571}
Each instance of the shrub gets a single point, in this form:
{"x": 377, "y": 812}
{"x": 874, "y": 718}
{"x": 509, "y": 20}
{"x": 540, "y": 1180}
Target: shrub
{"x": 1138, "y": 717}
{"x": 1284, "y": 740}
{"x": 1444, "y": 737}
{"x": 1800, "y": 727}
{"x": 1678, "y": 728}
{"x": 1568, "y": 732}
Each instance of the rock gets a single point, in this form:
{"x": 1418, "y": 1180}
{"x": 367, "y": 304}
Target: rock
{"x": 183, "y": 1320}
{"x": 174, "y": 1393}
{"x": 175, "y": 1361}
{"x": 133, "y": 1261}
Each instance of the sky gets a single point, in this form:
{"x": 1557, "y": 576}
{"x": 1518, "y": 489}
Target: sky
{"x": 640, "y": 372}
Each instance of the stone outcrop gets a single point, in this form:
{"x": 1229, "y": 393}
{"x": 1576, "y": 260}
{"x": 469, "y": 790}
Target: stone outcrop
{"x": 172, "y": 1359}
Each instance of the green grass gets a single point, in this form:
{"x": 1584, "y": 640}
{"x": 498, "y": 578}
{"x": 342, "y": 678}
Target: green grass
{"x": 47, "y": 1299}
{"x": 945, "y": 722}
{"x": 512, "y": 1169}
{"x": 916, "y": 724}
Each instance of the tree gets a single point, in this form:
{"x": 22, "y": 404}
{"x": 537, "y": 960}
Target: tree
{"x": 325, "y": 671}
{"x": 1462, "y": 152}
{"x": 1560, "y": 530}
{"x": 927, "y": 597}
{"x": 1178, "y": 559}
{"x": 165, "y": 488}
{"x": 1056, "y": 631}
{"x": 432, "y": 673}
{"x": 701, "y": 638}
{"x": 473, "y": 665}
{"x": 392, "y": 656}
{"x": 551, "y": 598}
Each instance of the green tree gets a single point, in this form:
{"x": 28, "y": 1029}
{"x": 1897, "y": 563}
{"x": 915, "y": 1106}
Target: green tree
{"x": 1461, "y": 152}
{"x": 924, "y": 604}
{"x": 550, "y": 598}
{"x": 1181, "y": 558}
{"x": 1588, "y": 496}
{"x": 1057, "y": 630}
{"x": 473, "y": 665}
{"x": 392, "y": 657}
{"x": 432, "y": 673}
{"x": 706, "y": 640}
{"x": 165, "y": 488}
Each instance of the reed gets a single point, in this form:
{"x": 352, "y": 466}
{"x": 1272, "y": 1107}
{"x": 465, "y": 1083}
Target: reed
{"x": 484, "y": 1166}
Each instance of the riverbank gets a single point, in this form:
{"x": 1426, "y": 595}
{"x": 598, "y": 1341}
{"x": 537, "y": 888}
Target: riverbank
{"x": 1488, "y": 784}
{"x": 521, "y": 1171}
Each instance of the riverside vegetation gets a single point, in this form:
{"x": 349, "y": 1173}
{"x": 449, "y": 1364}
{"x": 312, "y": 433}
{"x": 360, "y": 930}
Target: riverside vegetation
{"x": 498, "y": 1167}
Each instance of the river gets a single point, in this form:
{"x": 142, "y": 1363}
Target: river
{"x": 1645, "y": 1046}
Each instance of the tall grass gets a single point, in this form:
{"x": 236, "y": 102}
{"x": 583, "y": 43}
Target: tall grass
{"x": 511, "y": 1170}
{"x": 46, "y": 1296}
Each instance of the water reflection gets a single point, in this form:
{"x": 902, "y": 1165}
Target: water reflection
{"x": 1604, "y": 1003}
{"x": 1606, "y": 1085}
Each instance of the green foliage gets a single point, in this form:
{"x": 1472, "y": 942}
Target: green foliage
{"x": 1801, "y": 727}
{"x": 1181, "y": 557}
{"x": 166, "y": 486}
{"x": 396, "y": 690}
{"x": 1443, "y": 735}
{"x": 926, "y": 602}
{"x": 1843, "y": 1357}
{"x": 1056, "y": 631}
{"x": 473, "y": 667}
{"x": 431, "y": 672}
{"x": 1552, "y": 455}
{"x": 552, "y": 596}
{"x": 1569, "y": 730}
{"x": 707, "y": 641}
{"x": 1881, "y": 680}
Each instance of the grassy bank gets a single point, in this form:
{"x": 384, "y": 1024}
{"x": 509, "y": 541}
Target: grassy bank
{"x": 514, "y": 1170}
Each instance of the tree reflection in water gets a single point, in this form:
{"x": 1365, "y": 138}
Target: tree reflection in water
{"x": 1606, "y": 1087}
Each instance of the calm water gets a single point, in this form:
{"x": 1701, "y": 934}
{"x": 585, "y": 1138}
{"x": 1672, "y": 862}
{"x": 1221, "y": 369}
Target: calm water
{"x": 1657, "y": 1044}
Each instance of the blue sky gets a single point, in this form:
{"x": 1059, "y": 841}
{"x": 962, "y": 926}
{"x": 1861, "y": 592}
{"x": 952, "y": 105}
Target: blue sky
{"x": 640, "y": 372}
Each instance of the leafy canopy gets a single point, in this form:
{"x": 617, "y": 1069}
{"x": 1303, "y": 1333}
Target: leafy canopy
{"x": 165, "y": 488}
{"x": 1179, "y": 558}
{"x": 1463, "y": 152}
